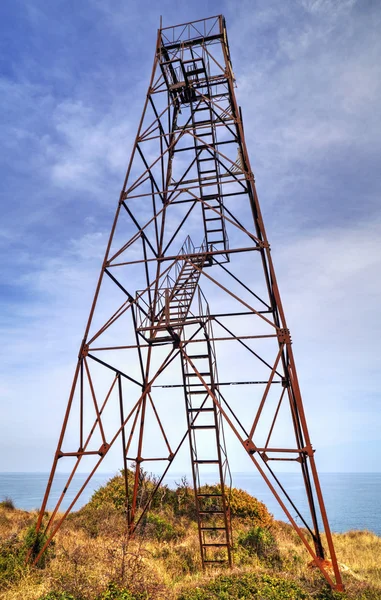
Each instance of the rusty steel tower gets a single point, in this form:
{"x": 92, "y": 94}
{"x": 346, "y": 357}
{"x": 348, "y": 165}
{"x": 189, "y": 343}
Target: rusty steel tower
{"x": 188, "y": 284}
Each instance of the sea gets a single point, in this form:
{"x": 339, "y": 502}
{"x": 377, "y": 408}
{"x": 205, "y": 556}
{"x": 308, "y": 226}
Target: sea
{"x": 353, "y": 500}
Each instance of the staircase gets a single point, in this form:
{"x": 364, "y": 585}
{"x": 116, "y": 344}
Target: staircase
{"x": 198, "y": 360}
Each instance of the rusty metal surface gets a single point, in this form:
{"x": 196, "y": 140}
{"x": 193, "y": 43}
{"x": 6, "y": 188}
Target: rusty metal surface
{"x": 172, "y": 307}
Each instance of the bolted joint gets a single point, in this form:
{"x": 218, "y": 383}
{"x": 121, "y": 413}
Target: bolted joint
{"x": 309, "y": 451}
{"x": 249, "y": 446}
{"x": 284, "y": 336}
{"x": 103, "y": 449}
{"x": 285, "y": 382}
{"x": 84, "y": 350}
{"x": 261, "y": 244}
{"x": 122, "y": 197}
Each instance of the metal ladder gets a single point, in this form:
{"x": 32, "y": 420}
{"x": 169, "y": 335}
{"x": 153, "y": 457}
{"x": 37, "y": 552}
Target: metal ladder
{"x": 208, "y": 170}
{"x": 212, "y": 505}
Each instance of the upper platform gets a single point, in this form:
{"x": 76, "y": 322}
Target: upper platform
{"x": 193, "y": 33}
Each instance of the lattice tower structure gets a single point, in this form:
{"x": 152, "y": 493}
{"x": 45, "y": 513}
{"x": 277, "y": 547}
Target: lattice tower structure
{"x": 189, "y": 216}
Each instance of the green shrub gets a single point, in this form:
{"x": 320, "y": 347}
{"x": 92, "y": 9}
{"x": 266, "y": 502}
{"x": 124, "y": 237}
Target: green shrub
{"x": 58, "y": 596}
{"x": 114, "y": 493}
{"x": 12, "y": 564}
{"x": 328, "y": 594}
{"x": 246, "y": 587}
{"x": 114, "y": 593}
{"x": 160, "y": 529}
{"x": 244, "y": 505}
{"x": 260, "y": 541}
{"x": 179, "y": 502}
{"x": 8, "y": 503}
{"x": 33, "y": 543}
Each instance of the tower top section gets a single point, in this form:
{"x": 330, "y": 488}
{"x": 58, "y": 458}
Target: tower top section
{"x": 203, "y": 31}
{"x": 194, "y": 55}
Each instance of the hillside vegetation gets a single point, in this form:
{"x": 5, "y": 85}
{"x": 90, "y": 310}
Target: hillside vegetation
{"x": 93, "y": 558}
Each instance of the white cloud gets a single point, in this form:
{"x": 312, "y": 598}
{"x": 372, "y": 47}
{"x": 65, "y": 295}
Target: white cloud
{"x": 309, "y": 91}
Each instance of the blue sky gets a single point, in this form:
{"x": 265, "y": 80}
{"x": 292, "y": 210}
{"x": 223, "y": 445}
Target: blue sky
{"x": 73, "y": 79}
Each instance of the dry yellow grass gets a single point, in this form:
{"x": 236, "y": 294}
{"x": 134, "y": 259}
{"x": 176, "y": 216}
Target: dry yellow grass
{"x": 85, "y": 562}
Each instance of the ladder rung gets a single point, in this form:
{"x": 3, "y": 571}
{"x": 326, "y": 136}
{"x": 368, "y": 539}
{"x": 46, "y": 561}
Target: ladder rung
{"x": 209, "y": 495}
{"x": 198, "y": 355}
{"x": 215, "y": 561}
{"x": 211, "y": 512}
{"x": 200, "y": 409}
{"x": 196, "y": 375}
{"x": 203, "y": 427}
{"x": 212, "y": 528}
{"x": 198, "y": 392}
{"x": 206, "y": 462}
{"x": 216, "y": 544}
{"x": 219, "y": 561}
{"x": 213, "y": 230}
{"x": 213, "y": 219}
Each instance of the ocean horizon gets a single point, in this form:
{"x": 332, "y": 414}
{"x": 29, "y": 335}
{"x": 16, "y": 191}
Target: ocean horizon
{"x": 352, "y": 499}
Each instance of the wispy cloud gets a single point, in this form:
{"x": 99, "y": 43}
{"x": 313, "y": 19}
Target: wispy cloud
{"x": 309, "y": 84}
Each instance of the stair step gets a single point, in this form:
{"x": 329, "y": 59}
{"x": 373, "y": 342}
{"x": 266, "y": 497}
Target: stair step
{"x": 211, "y": 197}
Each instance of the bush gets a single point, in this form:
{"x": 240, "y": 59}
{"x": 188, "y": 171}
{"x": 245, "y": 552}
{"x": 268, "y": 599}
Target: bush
{"x": 8, "y": 503}
{"x": 33, "y": 543}
{"x": 58, "y": 596}
{"x": 12, "y": 565}
{"x": 246, "y": 587}
{"x": 114, "y": 493}
{"x": 160, "y": 529}
{"x": 260, "y": 541}
{"x": 245, "y": 506}
{"x": 179, "y": 502}
{"x": 114, "y": 593}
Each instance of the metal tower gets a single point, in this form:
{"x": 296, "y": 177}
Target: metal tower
{"x": 189, "y": 216}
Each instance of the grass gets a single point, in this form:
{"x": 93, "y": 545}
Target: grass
{"x": 93, "y": 558}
